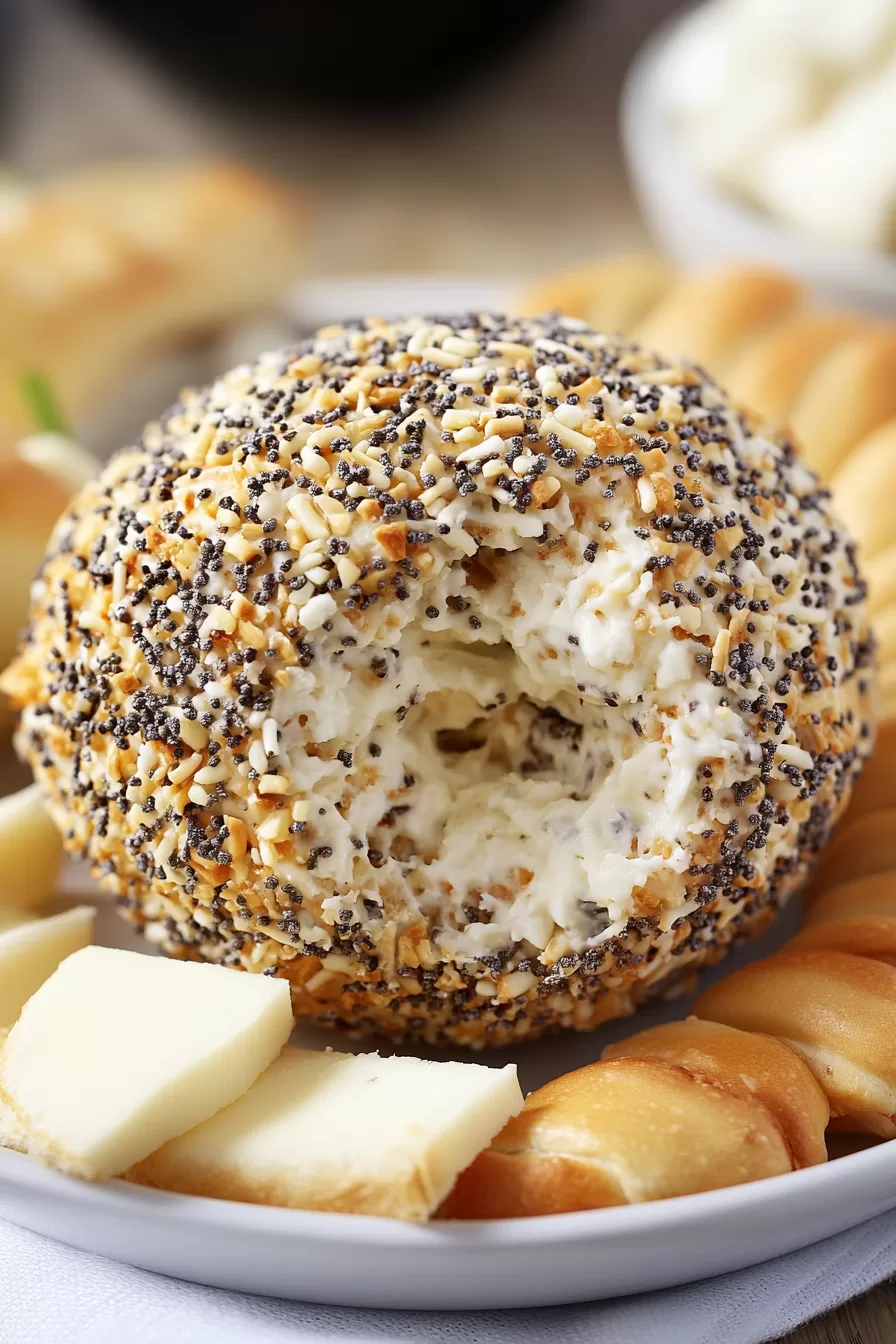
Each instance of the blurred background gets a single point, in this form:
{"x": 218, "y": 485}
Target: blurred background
{"x": 183, "y": 183}
{"x": 478, "y": 140}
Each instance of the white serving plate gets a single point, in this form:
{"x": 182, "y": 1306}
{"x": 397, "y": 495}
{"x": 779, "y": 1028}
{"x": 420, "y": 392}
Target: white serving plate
{"x": 696, "y": 225}
{"x": 346, "y": 1260}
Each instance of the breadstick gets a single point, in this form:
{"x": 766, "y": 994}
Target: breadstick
{"x": 709, "y": 318}
{"x": 848, "y": 394}
{"x": 611, "y": 295}
{"x": 771, "y": 372}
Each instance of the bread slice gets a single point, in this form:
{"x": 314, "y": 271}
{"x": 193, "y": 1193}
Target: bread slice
{"x": 30, "y": 849}
{"x": 31, "y": 949}
{"x": 849, "y": 393}
{"x": 610, "y": 295}
{"x": 880, "y": 574}
{"x": 863, "y": 487}
{"x": 344, "y": 1133}
{"x": 118, "y": 1052}
{"x": 710, "y": 317}
{"x": 769, "y": 375}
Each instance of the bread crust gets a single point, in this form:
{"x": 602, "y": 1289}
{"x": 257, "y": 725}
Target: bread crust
{"x": 837, "y": 1010}
{"x": 864, "y": 847}
{"x": 747, "y": 1065}
{"x": 620, "y": 1131}
{"x": 848, "y": 394}
{"x": 611, "y": 295}
{"x": 711, "y": 316}
{"x": 771, "y": 372}
{"x": 863, "y": 487}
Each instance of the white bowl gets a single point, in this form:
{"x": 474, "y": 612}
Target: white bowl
{"x": 697, "y": 225}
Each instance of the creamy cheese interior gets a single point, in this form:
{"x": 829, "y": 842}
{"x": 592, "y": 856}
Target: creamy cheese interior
{"x": 514, "y": 787}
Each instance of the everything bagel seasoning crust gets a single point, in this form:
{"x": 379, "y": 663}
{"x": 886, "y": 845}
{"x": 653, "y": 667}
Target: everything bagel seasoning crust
{"x": 478, "y": 675}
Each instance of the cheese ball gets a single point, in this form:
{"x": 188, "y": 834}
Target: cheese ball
{"x": 477, "y": 675}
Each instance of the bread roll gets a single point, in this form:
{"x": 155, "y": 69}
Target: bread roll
{"x": 620, "y": 1131}
{"x": 771, "y": 372}
{"x": 863, "y": 487}
{"x": 611, "y": 295}
{"x": 862, "y": 848}
{"x": 885, "y": 633}
{"x": 859, "y": 917}
{"x": 710, "y": 318}
{"x": 886, "y": 686}
{"x": 745, "y": 1065}
{"x": 117, "y": 259}
{"x": 880, "y": 575}
{"x": 875, "y": 789}
{"x": 836, "y": 1010}
{"x": 848, "y": 394}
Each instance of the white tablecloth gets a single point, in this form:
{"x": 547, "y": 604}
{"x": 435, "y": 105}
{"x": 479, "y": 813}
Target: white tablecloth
{"x": 50, "y": 1294}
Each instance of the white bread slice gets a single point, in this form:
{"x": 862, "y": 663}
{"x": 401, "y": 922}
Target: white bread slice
{"x": 118, "y": 1052}
{"x": 343, "y": 1133}
{"x": 30, "y": 951}
{"x": 30, "y": 849}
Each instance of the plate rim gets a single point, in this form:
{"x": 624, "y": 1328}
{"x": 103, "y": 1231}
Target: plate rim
{"x": 363, "y": 1230}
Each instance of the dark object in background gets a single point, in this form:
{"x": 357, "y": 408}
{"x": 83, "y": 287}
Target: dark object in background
{"x": 10, "y": 22}
{"x": 329, "y": 57}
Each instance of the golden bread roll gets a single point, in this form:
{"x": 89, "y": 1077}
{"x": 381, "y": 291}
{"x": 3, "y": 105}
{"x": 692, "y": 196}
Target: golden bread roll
{"x": 875, "y": 788}
{"x": 709, "y": 318}
{"x": 880, "y": 575}
{"x": 746, "y": 1065}
{"x": 848, "y": 394}
{"x": 770, "y": 373}
{"x": 863, "y": 487}
{"x": 228, "y": 233}
{"x": 611, "y": 295}
{"x": 114, "y": 260}
{"x": 886, "y": 686}
{"x": 836, "y": 1010}
{"x": 863, "y": 847}
{"x": 885, "y": 634}
{"x": 859, "y": 917}
{"x": 620, "y": 1131}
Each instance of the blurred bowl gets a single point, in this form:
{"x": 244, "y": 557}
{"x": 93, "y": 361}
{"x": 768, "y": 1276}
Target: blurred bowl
{"x": 695, "y": 224}
{"x": 330, "y": 59}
